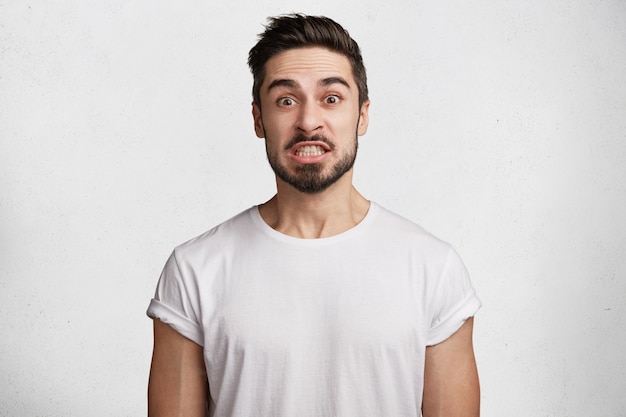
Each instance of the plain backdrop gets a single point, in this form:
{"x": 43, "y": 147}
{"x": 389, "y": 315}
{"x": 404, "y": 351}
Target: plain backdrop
{"x": 125, "y": 130}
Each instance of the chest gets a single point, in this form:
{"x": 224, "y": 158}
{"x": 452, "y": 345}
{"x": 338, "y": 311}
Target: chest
{"x": 315, "y": 301}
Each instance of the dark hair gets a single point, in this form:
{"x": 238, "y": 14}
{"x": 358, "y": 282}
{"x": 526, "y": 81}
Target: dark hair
{"x": 297, "y": 31}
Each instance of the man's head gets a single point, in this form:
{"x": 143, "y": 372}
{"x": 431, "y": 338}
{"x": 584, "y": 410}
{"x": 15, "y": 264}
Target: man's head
{"x": 310, "y": 101}
{"x": 300, "y": 31}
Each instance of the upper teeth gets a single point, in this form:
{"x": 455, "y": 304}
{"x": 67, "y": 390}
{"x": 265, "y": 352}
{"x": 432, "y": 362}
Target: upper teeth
{"x": 310, "y": 150}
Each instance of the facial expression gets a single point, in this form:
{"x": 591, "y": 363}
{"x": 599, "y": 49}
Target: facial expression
{"x": 310, "y": 117}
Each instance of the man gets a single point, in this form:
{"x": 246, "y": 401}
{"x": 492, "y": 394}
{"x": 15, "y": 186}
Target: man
{"x": 317, "y": 302}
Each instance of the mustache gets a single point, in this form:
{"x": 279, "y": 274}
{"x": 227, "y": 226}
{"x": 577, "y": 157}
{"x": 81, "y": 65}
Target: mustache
{"x": 315, "y": 138}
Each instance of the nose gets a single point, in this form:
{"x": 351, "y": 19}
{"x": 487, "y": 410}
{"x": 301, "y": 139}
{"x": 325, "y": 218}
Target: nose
{"x": 310, "y": 117}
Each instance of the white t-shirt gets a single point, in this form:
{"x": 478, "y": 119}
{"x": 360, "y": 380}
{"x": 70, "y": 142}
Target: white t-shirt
{"x": 336, "y": 326}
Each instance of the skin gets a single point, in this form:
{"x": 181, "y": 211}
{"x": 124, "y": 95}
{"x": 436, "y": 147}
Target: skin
{"x": 178, "y": 384}
{"x": 451, "y": 387}
{"x": 309, "y": 92}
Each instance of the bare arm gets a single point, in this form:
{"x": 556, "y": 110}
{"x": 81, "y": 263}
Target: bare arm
{"x": 451, "y": 387}
{"x": 178, "y": 382}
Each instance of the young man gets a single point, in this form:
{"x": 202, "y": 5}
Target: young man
{"x": 317, "y": 302}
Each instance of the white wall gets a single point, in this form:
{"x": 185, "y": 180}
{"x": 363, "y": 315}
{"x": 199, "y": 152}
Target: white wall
{"x": 125, "y": 130}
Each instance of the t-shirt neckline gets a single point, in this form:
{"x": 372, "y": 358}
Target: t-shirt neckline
{"x": 350, "y": 233}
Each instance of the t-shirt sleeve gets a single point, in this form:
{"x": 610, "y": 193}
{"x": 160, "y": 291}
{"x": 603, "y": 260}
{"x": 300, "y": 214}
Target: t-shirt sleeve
{"x": 174, "y": 302}
{"x": 454, "y": 302}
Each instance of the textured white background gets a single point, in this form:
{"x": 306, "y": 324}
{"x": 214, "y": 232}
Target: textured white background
{"x": 125, "y": 129}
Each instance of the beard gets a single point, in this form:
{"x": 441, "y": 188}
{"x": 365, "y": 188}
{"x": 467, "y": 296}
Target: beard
{"x": 309, "y": 178}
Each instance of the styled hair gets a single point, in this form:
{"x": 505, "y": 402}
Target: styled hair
{"x": 292, "y": 31}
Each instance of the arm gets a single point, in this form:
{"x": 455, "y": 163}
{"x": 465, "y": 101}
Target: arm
{"x": 451, "y": 387}
{"x": 178, "y": 381}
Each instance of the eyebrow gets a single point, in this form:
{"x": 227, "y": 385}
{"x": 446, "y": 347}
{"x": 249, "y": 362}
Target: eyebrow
{"x": 282, "y": 82}
{"x": 334, "y": 80}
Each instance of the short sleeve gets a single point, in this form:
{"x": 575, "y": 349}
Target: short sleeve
{"x": 455, "y": 300}
{"x": 173, "y": 302}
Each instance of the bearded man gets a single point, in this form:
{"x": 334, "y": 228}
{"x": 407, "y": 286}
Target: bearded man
{"x": 318, "y": 302}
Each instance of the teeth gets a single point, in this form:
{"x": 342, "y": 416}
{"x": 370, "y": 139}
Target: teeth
{"x": 310, "y": 151}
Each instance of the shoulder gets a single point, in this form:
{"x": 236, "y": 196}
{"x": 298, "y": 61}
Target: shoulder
{"x": 402, "y": 230}
{"x": 220, "y": 237}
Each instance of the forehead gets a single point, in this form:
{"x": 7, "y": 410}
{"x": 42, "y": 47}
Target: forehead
{"x": 311, "y": 62}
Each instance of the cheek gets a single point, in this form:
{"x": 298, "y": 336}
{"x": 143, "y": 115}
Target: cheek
{"x": 344, "y": 122}
{"x": 277, "y": 123}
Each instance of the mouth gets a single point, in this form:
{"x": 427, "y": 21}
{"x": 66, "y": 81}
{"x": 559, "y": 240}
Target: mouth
{"x": 310, "y": 151}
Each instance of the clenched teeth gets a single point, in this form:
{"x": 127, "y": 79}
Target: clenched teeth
{"x": 310, "y": 151}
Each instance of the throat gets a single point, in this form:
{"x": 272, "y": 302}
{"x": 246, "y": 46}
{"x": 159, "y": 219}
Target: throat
{"x": 313, "y": 219}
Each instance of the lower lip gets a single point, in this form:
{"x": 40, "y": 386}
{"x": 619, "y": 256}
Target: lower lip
{"x": 309, "y": 159}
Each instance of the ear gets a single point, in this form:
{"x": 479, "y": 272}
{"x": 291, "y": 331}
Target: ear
{"x": 258, "y": 121}
{"x": 363, "y": 118}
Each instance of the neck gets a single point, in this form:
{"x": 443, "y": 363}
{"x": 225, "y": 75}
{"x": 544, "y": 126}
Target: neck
{"x": 309, "y": 216}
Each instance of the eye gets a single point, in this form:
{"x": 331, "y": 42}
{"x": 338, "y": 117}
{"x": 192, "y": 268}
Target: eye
{"x": 285, "y": 101}
{"x": 332, "y": 99}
